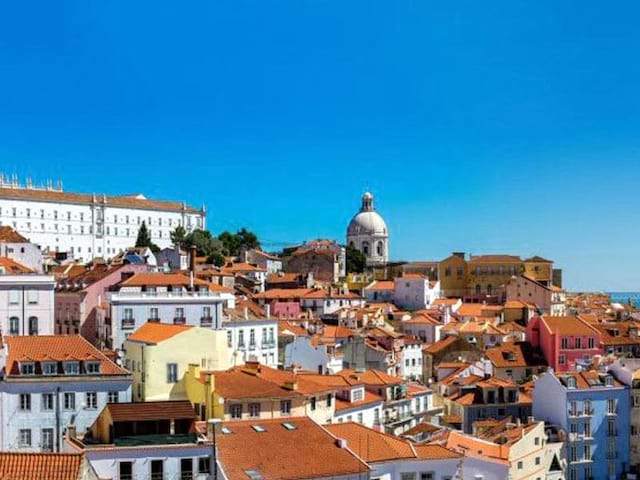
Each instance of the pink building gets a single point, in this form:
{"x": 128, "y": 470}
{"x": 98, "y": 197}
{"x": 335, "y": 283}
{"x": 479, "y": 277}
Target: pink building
{"x": 282, "y": 302}
{"x": 566, "y": 342}
{"x": 549, "y": 298}
{"x": 81, "y": 301}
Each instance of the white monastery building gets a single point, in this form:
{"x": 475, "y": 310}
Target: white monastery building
{"x": 89, "y": 225}
{"x": 368, "y": 232}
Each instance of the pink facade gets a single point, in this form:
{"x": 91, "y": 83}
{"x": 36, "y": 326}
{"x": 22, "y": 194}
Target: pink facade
{"x": 566, "y": 342}
{"x": 285, "y": 309}
{"x": 80, "y": 307}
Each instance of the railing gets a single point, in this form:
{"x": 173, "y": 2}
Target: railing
{"x": 206, "y": 321}
{"x": 128, "y": 322}
{"x": 268, "y": 344}
{"x": 252, "y": 345}
{"x": 175, "y": 294}
{"x": 154, "y": 319}
{"x": 242, "y": 346}
{"x": 179, "y": 320}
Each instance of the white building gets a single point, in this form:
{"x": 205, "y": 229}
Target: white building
{"x": 166, "y": 298}
{"x": 88, "y": 226}
{"x": 414, "y": 291}
{"x": 251, "y": 338}
{"x": 27, "y": 302}
{"x": 19, "y": 249}
{"x": 410, "y": 361}
{"x": 368, "y": 233}
{"x": 313, "y": 355}
{"x": 325, "y": 302}
{"x": 50, "y": 382}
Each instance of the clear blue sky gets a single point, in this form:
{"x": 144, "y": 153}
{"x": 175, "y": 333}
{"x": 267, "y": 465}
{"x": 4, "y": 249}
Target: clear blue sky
{"x": 486, "y": 127}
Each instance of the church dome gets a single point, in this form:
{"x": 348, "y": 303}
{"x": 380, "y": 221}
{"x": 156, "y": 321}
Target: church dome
{"x": 367, "y": 221}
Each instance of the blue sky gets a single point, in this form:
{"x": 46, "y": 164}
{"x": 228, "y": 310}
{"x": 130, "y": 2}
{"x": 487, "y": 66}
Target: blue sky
{"x": 486, "y": 127}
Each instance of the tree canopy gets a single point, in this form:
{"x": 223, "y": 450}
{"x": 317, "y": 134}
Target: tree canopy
{"x": 144, "y": 239}
{"x": 356, "y": 261}
{"x": 234, "y": 243}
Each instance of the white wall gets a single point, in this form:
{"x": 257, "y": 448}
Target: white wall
{"x": 265, "y": 352}
{"x": 310, "y": 357}
{"x": 25, "y": 296}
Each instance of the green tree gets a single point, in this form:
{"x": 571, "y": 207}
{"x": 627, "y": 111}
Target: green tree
{"x": 234, "y": 243}
{"x": 356, "y": 261}
{"x": 205, "y": 243}
{"x": 144, "y": 239}
{"x": 179, "y": 236}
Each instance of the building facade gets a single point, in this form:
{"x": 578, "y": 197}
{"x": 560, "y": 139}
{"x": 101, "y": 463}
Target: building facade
{"x": 88, "y": 226}
{"x": 27, "y": 305}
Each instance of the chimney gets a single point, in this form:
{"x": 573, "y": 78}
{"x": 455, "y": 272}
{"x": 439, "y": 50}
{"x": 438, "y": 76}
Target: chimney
{"x": 267, "y": 308}
{"x": 291, "y": 385}
{"x": 71, "y": 431}
{"x": 252, "y": 365}
{"x": 246, "y": 313}
{"x": 214, "y": 428}
{"x": 192, "y": 259}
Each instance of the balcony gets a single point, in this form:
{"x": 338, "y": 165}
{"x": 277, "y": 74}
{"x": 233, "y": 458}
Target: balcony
{"x": 128, "y": 323}
{"x": 179, "y": 320}
{"x": 154, "y": 320}
{"x": 242, "y": 346}
{"x": 206, "y": 321}
{"x": 252, "y": 345}
{"x": 268, "y": 344}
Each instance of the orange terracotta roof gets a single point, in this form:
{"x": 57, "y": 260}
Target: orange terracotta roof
{"x": 434, "y": 452}
{"x": 369, "y": 377}
{"x": 286, "y": 326}
{"x": 371, "y": 445}
{"x": 327, "y": 294}
{"x": 337, "y": 331}
{"x": 161, "y": 410}
{"x": 381, "y": 285}
{"x": 568, "y": 325}
{"x": 515, "y": 304}
{"x": 369, "y": 399}
{"x": 514, "y": 355}
{"x": 124, "y": 201}
{"x": 422, "y": 318}
{"x": 282, "y": 277}
{"x": 242, "y": 267}
{"x": 10, "y": 266}
{"x": 475, "y": 447}
{"x": 440, "y": 345}
{"x": 282, "y": 293}
{"x": 156, "y": 332}
{"x": 478, "y": 310}
{"x": 45, "y": 466}
{"x": 56, "y": 348}
{"x": 305, "y": 451}
{"x": 169, "y": 279}
{"x": 587, "y": 379}
{"x": 445, "y": 301}
{"x": 413, "y": 276}
{"x": 9, "y": 235}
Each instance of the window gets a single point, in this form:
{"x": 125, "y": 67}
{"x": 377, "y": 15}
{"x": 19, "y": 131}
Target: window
{"x": 125, "y": 471}
{"x": 47, "y": 401}
{"x": 32, "y": 297}
{"x": 329, "y": 399}
{"x": 611, "y": 406}
{"x": 47, "y": 439}
{"x": 70, "y": 401}
{"x": 252, "y": 337}
{"x": 587, "y": 452}
{"x": 92, "y": 367}
{"x": 186, "y": 469}
{"x": 254, "y": 410}
{"x": 408, "y": 476}
{"x": 179, "y": 312}
{"x": 229, "y": 338}
{"x": 357, "y": 395}
{"x": 204, "y": 464}
{"x": 360, "y": 418}
{"x": 27, "y": 368}
{"x": 427, "y": 476}
{"x": 113, "y": 397}
{"x": 172, "y": 372}
{"x": 611, "y": 428}
{"x": 313, "y": 403}
{"x": 591, "y": 342}
{"x": 25, "y": 402}
{"x": 25, "y": 437}
{"x": 573, "y": 454}
{"x": 565, "y": 342}
{"x": 236, "y": 411}
{"x": 157, "y": 469}
{"x": 49, "y": 368}
{"x": 14, "y": 297}
{"x": 241, "y": 338}
{"x": 14, "y": 326}
{"x": 91, "y": 400}
{"x": 128, "y": 313}
{"x": 285, "y": 407}
{"x": 561, "y": 359}
{"x": 71, "y": 368}
{"x": 578, "y": 342}
{"x": 520, "y": 465}
{"x": 33, "y": 325}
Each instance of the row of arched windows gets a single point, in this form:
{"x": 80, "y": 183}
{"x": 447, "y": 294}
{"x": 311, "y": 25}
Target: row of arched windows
{"x": 14, "y": 326}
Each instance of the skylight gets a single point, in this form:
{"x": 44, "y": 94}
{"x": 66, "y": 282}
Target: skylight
{"x": 258, "y": 428}
{"x": 226, "y": 430}
{"x": 253, "y": 474}
{"x": 289, "y": 426}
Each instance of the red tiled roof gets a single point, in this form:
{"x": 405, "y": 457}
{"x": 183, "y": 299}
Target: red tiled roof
{"x": 9, "y": 235}
{"x": 125, "y": 201}
{"x": 369, "y": 399}
{"x": 156, "y": 332}
{"x": 169, "y": 279}
{"x": 140, "y": 411}
{"x": 381, "y": 285}
{"x": 306, "y": 451}
{"x": 44, "y": 466}
{"x": 58, "y": 348}
{"x": 10, "y": 266}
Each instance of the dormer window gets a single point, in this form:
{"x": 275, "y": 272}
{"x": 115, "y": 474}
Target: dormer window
{"x": 27, "y": 368}
{"x": 71, "y": 368}
{"x": 49, "y": 368}
{"x": 92, "y": 367}
{"x": 571, "y": 382}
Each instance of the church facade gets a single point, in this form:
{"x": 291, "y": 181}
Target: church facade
{"x": 368, "y": 233}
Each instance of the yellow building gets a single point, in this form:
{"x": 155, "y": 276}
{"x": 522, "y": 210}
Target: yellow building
{"x": 255, "y": 391}
{"x": 452, "y": 273}
{"x": 539, "y": 269}
{"x": 158, "y": 356}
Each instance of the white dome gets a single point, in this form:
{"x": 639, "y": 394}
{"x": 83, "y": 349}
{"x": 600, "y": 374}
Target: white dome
{"x": 367, "y": 223}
